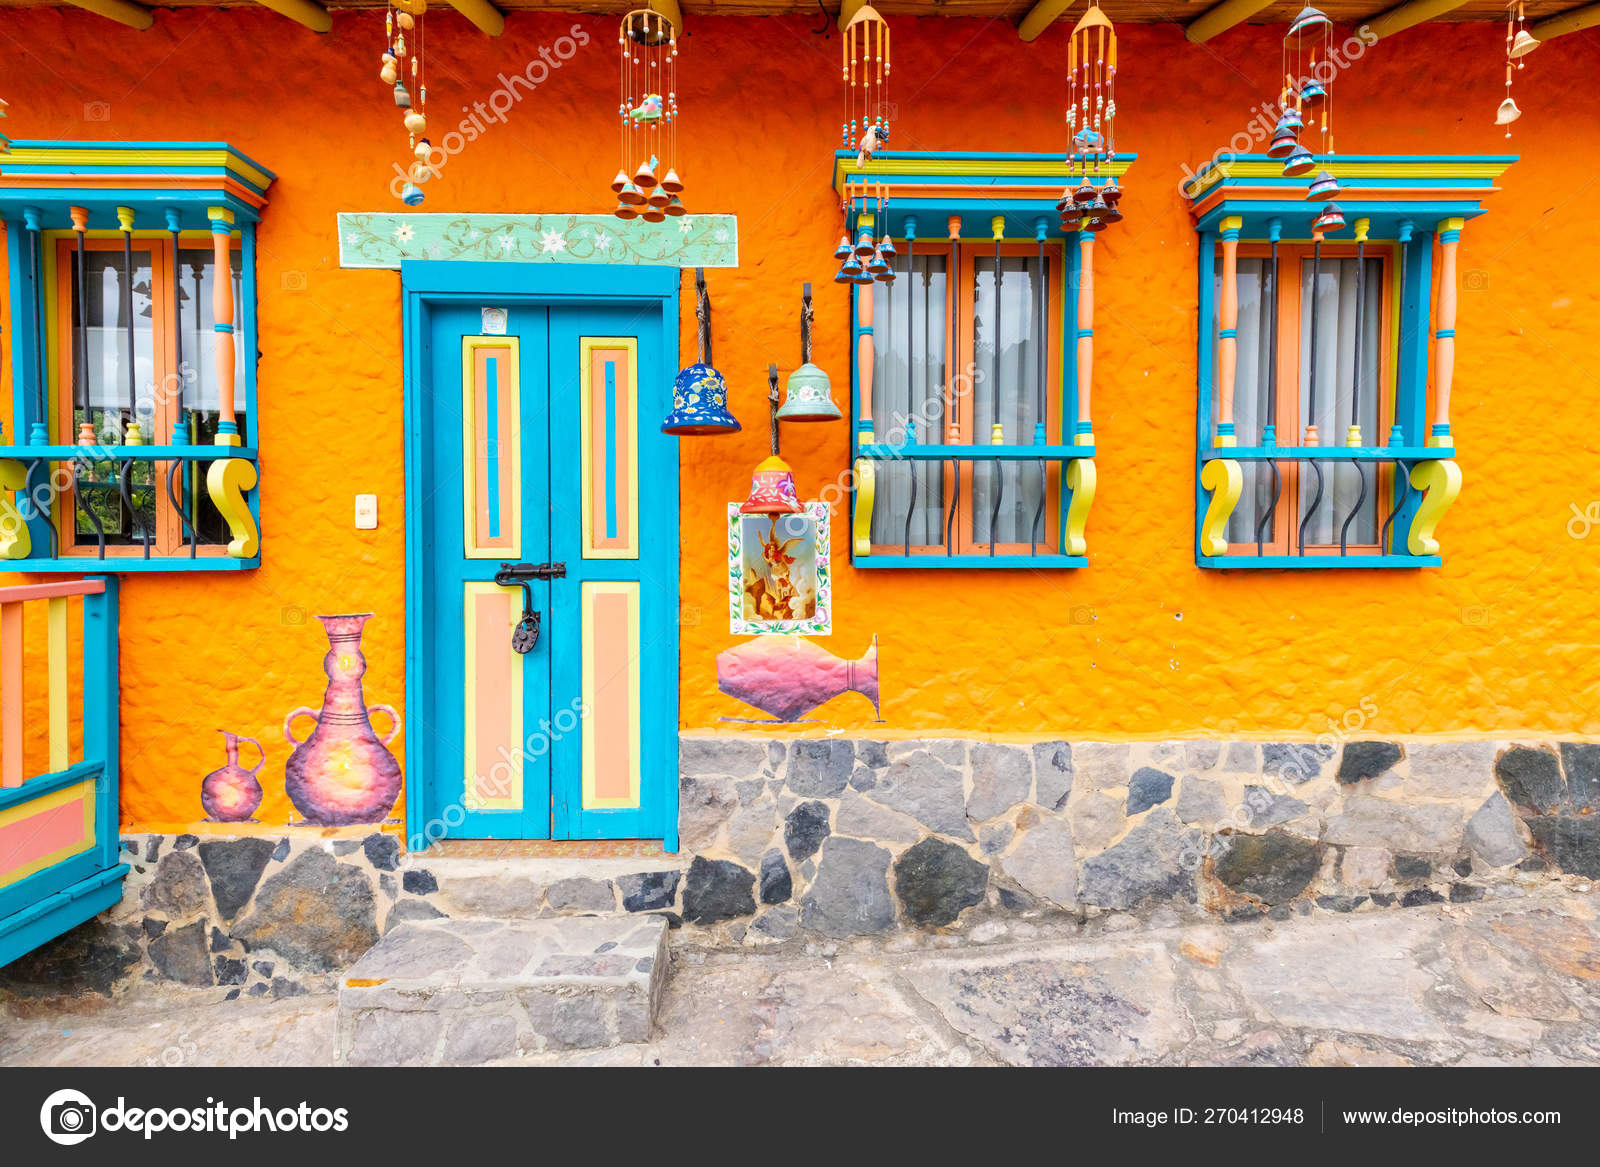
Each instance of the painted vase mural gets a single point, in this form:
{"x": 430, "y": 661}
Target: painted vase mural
{"x": 343, "y": 773}
{"x": 232, "y": 794}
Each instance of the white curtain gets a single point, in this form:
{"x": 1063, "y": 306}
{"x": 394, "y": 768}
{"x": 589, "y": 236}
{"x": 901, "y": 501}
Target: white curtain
{"x": 908, "y": 395}
{"x": 1334, "y": 302}
{"x": 1007, "y": 393}
{"x": 1250, "y": 389}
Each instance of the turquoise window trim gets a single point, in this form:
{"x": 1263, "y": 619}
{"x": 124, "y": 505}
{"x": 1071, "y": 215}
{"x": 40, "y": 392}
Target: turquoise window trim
{"x": 1244, "y": 188}
{"x": 1033, "y": 184}
{"x": 100, "y": 177}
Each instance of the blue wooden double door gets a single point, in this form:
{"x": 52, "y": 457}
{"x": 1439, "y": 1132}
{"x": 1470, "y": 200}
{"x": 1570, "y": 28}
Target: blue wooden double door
{"x": 545, "y": 569}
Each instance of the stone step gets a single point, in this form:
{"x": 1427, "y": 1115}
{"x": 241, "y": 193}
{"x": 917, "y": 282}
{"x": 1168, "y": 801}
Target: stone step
{"x": 465, "y": 991}
{"x": 524, "y": 888}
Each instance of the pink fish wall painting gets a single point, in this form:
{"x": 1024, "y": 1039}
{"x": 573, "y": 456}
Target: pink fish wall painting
{"x": 788, "y": 677}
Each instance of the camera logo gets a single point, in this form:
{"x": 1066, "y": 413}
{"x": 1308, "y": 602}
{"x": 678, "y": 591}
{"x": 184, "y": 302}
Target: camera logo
{"x": 96, "y": 111}
{"x": 68, "y": 1117}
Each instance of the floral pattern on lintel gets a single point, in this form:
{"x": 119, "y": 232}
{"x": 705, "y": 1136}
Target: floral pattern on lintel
{"x": 383, "y": 239}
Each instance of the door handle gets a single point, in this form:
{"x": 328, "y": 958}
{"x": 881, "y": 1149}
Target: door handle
{"x": 525, "y": 636}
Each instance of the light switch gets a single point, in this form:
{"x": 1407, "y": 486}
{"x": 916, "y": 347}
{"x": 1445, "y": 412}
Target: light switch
{"x": 366, "y": 512}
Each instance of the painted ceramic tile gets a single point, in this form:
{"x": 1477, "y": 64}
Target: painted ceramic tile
{"x": 381, "y": 239}
{"x": 778, "y": 578}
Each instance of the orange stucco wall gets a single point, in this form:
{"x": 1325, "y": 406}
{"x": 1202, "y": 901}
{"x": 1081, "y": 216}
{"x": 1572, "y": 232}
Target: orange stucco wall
{"x": 1501, "y": 639}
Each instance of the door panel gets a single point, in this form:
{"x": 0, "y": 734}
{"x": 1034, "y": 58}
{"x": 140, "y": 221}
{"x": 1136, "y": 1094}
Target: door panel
{"x": 613, "y": 519}
{"x": 489, "y": 503}
{"x": 534, "y": 453}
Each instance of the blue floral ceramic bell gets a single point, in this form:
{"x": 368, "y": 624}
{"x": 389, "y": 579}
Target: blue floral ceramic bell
{"x": 1323, "y": 187}
{"x": 887, "y": 249}
{"x": 864, "y": 244}
{"x": 848, "y": 271}
{"x": 700, "y": 395}
{"x": 1298, "y": 163}
{"x": 844, "y": 250}
{"x": 877, "y": 265}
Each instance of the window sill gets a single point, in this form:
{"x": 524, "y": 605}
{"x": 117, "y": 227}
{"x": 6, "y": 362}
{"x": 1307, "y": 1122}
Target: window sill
{"x": 1333, "y": 562}
{"x": 936, "y": 562}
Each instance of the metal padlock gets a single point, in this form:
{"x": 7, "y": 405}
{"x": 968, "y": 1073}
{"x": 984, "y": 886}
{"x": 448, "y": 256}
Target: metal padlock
{"x": 526, "y": 634}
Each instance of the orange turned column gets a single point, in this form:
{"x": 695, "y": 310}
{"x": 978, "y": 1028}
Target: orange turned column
{"x": 866, "y": 479}
{"x": 1228, "y": 332}
{"x": 222, "y": 311}
{"x": 1084, "y": 431}
{"x": 80, "y": 367}
{"x": 1444, "y": 337}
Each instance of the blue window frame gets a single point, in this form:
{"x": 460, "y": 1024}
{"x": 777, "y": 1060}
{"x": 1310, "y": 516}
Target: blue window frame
{"x": 1283, "y": 360}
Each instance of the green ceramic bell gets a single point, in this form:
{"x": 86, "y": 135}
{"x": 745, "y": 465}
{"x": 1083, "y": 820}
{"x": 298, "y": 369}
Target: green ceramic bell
{"x": 808, "y": 395}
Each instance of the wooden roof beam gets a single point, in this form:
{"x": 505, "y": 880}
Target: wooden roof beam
{"x": 1576, "y": 20}
{"x": 671, "y": 10}
{"x": 1214, "y": 21}
{"x": 483, "y": 14}
{"x": 307, "y": 12}
{"x": 1403, "y": 16}
{"x": 120, "y": 11}
{"x": 1044, "y": 14}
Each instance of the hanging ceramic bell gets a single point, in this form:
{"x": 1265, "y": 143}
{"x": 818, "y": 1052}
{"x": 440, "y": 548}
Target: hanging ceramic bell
{"x": 1523, "y": 44}
{"x": 671, "y": 183}
{"x": 1085, "y": 193}
{"x": 653, "y": 214}
{"x": 1298, "y": 163}
{"x": 1507, "y": 113}
{"x": 848, "y": 271}
{"x": 1309, "y": 21}
{"x": 1284, "y": 140}
{"x": 1098, "y": 221}
{"x": 1111, "y": 194}
{"x": 886, "y": 277}
{"x": 862, "y": 276}
{"x": 620, "y": 181}
{"x": 887, "y": 249}
{"x": 877, "y": 265}
{"x": 1291, "y": 117}
{"x": 658, "y": 198}
{"x": 1065, "y": 201}
{"x": 1312, "y": 92}
{"x": 772, "y": 490}
{"x": 411, "y": 195}
{"x": 632, "y": 195}
{"x": 1331, "y": 219}
{"x": 402, "y": 95}
{"x": 1323, "y": 187}
{"x": 700, "y": 404}
{"x": 624, "y": 211}
{"x": 675, "y": 207}
{"x": 1111, "y": 215}
{"x": 645, "y": 176}
{"x": 808, "y": 396}
{"x": 844, "y": 250}
{"x": 864, "y": 245}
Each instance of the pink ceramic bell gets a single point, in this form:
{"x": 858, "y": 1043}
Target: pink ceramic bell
{"x": 772, "y": 490}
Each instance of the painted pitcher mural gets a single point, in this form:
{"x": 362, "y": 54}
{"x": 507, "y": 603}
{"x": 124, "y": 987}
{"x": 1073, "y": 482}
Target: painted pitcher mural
{"x": 232, "y": 793}
{"x": 343, "y": 772}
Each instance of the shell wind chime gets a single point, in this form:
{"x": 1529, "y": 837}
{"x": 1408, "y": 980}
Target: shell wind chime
{"x": 1091, "y": 122}
{"x": 1519, "y": 43}
{"x": 402, "y": 68}
{"x": 865, "y": 128}
{"x": 647, "y": 115}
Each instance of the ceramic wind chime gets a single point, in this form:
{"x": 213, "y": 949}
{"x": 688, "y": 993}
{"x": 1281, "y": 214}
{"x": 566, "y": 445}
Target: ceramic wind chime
{"x": 402, "y": 68}
{"x": 1519, "y": 43}
{"x": 1306, "y": 112}
{"x": 647, "y": 116}
{"x": 865, "y": 128}
{"x": 867, "y": 259}
{"x": 1091, "y": 122}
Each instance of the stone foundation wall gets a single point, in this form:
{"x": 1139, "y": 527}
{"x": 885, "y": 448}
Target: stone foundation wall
{"x": 856, "y": 837}
{"x": 259, "y": 916}
{"x": 828, "y": 839}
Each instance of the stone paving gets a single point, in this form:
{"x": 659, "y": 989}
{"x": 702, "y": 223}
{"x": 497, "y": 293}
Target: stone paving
{"x": 1513, "y": 980}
